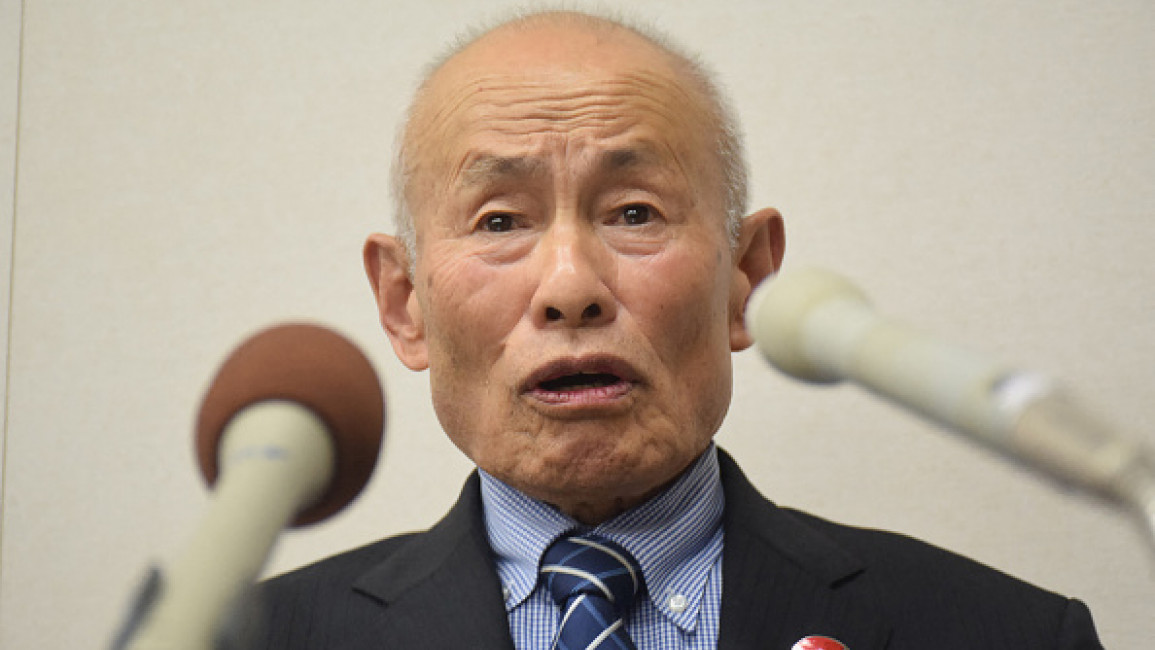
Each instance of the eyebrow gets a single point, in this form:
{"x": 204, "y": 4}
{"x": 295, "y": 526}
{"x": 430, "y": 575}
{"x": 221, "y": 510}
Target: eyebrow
{"x": 487, "y": 168}
{"x": 616, "y": 160}
{"x": 490, "y": 168}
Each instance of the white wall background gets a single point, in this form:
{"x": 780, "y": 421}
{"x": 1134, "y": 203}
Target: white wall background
{"x": 190, "y": 172}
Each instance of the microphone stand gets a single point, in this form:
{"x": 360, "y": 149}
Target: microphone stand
{"x": 275, "y": 456}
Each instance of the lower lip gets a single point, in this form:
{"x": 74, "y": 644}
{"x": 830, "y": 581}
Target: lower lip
{"x": 592, "y": 396}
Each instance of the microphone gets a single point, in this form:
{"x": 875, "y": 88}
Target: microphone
{"x": 815, "y": 325}
{"x": 288, "y": 434}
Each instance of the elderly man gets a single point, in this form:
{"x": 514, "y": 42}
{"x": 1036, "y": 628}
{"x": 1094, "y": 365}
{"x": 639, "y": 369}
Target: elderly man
{"x": 572, "y": 268}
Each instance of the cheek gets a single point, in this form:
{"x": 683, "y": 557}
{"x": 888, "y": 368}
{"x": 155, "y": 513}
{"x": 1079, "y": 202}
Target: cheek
{"x": 682, "y": 300}
{"x": 684, "y": 309}
{"x": 467, "y": 302}
{"x": 470, "y": 308}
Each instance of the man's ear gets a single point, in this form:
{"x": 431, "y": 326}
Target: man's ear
{"x": 761, "y": 245}
{"x": 387, "y": 265}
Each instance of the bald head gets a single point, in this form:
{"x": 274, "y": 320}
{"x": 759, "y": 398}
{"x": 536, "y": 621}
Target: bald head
{"x": 560, "y": 44}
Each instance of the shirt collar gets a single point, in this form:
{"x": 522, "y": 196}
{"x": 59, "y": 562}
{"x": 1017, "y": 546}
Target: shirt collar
{"x": 677, "y": 561}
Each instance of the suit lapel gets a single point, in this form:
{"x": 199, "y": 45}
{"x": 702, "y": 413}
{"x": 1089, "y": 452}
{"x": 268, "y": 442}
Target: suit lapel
{"x": 440, "y": 589}
{"x": 783, "y": 581}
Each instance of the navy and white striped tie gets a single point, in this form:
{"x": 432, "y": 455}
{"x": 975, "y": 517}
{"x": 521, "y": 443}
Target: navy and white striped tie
{"x": 593, "y": 581}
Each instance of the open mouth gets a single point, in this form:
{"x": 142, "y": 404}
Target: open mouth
{"x": 579, "y": 381}
{"x": 583, "y": 382}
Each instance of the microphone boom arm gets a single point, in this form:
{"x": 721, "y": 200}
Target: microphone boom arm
{"x": 817, "y": 326}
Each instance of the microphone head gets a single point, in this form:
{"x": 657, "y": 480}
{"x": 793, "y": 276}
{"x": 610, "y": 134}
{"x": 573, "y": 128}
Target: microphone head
{"x": 778, "y": 312}
{"x": 318, "y": 369}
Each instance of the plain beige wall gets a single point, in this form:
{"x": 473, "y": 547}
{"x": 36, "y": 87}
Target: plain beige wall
{"x": 191, "y": 172}
{"x": 9, "y": 85}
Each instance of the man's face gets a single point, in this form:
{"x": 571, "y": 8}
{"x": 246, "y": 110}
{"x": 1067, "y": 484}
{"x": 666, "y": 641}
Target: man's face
{"x": 576, "y": 297}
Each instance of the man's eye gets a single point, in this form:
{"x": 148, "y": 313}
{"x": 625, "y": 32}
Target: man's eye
{"x": 497, "y": 222}
{"x": 635, "y": 215}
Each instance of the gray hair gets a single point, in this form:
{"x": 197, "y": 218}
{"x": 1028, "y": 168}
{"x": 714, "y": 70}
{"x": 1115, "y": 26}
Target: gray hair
{"x": 729, "y": 148}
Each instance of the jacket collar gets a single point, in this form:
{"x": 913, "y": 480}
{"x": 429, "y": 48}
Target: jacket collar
{"x": 439, "y": 590}
{"x": 783, "y": 580}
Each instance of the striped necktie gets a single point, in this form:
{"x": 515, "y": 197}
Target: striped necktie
{"x": 593, "y": 581}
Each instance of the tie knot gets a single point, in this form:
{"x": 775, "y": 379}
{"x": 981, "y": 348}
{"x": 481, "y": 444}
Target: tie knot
{"x": 591, "y": 565}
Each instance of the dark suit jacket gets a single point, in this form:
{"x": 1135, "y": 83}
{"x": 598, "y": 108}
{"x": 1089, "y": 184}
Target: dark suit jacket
{"x": 786, "y": 575}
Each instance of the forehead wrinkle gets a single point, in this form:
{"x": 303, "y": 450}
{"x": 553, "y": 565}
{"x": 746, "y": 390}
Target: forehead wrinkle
{"x": 574, "y": 103}
{"x": 559, "y": 100}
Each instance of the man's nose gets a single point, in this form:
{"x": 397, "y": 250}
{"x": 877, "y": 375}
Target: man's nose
{"x": 572, "y": 290}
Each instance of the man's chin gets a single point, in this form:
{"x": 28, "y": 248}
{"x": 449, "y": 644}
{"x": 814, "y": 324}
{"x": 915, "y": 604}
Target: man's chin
{"x": 593, "y": 490}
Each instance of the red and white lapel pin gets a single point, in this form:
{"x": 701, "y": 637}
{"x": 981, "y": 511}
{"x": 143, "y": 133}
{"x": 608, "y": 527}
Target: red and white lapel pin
{"x": 819, "y": 643}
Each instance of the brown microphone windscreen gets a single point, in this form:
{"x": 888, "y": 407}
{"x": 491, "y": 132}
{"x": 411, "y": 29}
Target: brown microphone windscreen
{"x": 318, "y": 369}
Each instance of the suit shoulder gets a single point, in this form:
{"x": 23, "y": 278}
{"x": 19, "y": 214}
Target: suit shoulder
{"x": 317, "y": 605}
{"x": 935, "y": 591}
{"x": 928, "y": 597}
{"x": 904, "y": 558}
{"x": 340, "y": 569}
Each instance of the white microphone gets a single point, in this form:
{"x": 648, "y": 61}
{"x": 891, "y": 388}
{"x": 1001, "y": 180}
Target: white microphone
{"x": 817, "y": 326}
{"x": 288, "y": 432}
